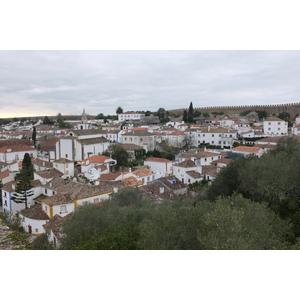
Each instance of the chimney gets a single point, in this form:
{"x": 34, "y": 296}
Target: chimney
{"x": 161, "y": 190}
{"x": 43, "y": 164}
{"x": 208, "y": 128}
{"x": 130, "y": 170}
{"x": 115, "y": 189}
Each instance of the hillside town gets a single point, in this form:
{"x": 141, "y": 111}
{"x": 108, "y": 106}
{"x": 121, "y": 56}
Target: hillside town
{"x": 90, "y": 159}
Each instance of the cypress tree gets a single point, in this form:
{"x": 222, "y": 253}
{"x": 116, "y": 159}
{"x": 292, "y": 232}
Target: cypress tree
{"x": 185, "y": 116}
{"x": 191, "y": 113}
{"x": 34, "y": 136}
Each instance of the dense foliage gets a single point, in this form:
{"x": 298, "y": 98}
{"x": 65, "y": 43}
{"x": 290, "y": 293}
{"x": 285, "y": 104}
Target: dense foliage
{"x": 272, "y": 178}
{"x": 130, "y": 222}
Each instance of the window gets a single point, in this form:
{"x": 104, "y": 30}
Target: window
{"x": 96, "y": 200}
{"x": 212, "y": 142}
{"x": 212, "y": 135}
{"x": 269, "y": 129}
{"x": 269, "y": 123}
{"x": 63, "y": 208}
{"x": 46, "y": 191}
{"x": 203, "y": 134}
{"x": 278, "y": 129}
{"x": 36, "y": 230}
{"x": 279, "y": 123}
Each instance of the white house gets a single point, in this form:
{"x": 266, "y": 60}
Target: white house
{"x": 217, "y": 136}
{"x": 33, "y": 219}
{"x": 65, "y": 166}
{"x": 275, "y": 126}
{"x": 16, "y": 153}
{"x": 129, "y": 116}
{"x": 80, "y": 149}
{"x": 201, "y": 158}
{"x": 161, "y": 165}
{"x": 187, "y": 171}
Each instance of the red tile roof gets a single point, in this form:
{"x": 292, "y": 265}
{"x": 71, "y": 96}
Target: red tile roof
{"x": 247, "y": 149}
{"x": 158, "y": 159}
{"x": 94, "y": 159}
{"x": 143, "y": 172}
{"x": 177, "y": 133}
{"x": 16, "y": 148}
{"x": 4, "y": 174}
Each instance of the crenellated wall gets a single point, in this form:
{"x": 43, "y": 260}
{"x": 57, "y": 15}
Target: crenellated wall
{"x": 292, "y": 108}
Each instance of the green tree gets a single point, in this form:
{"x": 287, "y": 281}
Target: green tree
{"x": 1, "y": 186}
{"x": 23, "y": 187}
{"x": 262, "y": 114}
{"x": 191, "y": 113}
{"x": 119, "y": 110}
{"x": 47, "y": 121}
{"x": 34, "y": 136}
{"x": 118, "y": 153}
{"x": 41, "y": 242}
{"x": 185, "y": 116}
{"x": 236, "y": 223}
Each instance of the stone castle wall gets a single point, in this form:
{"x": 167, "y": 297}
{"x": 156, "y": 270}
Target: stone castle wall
{"x": 292, "y": 108}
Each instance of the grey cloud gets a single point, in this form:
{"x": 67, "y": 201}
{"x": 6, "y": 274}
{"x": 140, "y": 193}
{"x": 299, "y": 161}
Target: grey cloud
{"x": 100, "y": 81}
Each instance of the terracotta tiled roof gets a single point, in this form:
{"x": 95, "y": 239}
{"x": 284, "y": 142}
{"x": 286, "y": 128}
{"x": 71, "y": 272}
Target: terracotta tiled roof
{"x": 222, "y": 161}
{"x": 95, "y": 159}
{"x": 54, "y": 224}
{"x": 247, "y": 149}
{"x": 93, "y": 141}
{"x": 194, "y": 174}
{"x": 58, "y": 200}
{"x": 63, "y": 161}
{"x": 177, "y": 133}
{"x": 132, "y": 181}
{"x": 130, "y": 147}
{"x": 109, "y": 176}
{"x": 4, "y": 174}
{"x": 11, "y": 142}
{"x": 76, "y": 190}
{"x": 158, "y": 159}
{"x": 210, "y": 170}
{"x": 35, "y": 212}
{"x": 89, "y": 132}
{"x": 143, "y": 172}
{"x": 172, "y": 182}
{"x": 16, "y": 148}
{"x": 188, "y": 163}
{"x": 42, "y": 163}
{"x": 49, "y": 173}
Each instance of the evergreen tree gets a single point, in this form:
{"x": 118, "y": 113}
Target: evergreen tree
{"x": 34, "y": 136}
{"x": 27, "y": 163}
{"x": 185, "y": 116}
{"x": 191, "y": 113}
{"x": 119, "y": 110}
{"x": 1, "y": 186}
{"x": 23, "y": 187}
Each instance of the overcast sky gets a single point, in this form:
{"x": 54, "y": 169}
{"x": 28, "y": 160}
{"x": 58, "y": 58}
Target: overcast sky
{"x": 52, "y": 82}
